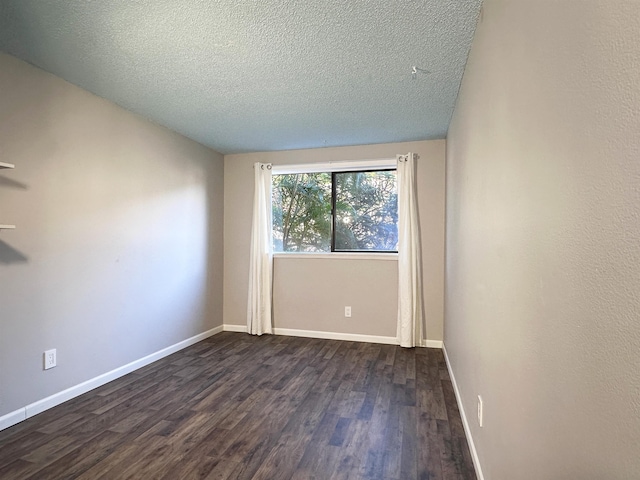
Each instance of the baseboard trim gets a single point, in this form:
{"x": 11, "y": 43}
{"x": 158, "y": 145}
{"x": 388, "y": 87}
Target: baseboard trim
{"x": 40, "y": 406}
{"x": 12, "y": 418}
{"x": 465, "y": 422}
{"x": 294, "y": 332}
{"x": 432, "y": 343}
{"x": 227, "y": 327}
{"x": 350, "y": 337}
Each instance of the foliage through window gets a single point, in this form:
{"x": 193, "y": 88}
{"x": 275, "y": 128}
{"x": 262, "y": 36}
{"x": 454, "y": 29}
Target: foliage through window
{"x": 335, "y": 212}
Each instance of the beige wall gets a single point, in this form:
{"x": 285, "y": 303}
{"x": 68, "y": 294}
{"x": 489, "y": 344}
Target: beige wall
{"x": 118, "y": 247}
{"x": 310, "y": 294}
{"x": 543, "y": 239}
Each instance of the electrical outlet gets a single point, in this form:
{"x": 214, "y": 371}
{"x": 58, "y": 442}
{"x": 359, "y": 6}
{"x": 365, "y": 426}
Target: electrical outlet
{"x": 50, "y": 359}
{"x": 347, "y": 311}
{"x": 480, "y": 408}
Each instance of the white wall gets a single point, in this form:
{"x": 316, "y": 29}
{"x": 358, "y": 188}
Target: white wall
{"x": 118, "y": 247}
{"x": 310, "y": 294}
{"x": 543, "y": 239}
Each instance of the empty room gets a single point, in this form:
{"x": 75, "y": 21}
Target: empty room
{"x": 320, "y": 240}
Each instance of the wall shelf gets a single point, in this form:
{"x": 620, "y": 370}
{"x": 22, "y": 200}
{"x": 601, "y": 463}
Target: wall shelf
{"x": 7, "y": 227}
{"x": 6, "y": 165}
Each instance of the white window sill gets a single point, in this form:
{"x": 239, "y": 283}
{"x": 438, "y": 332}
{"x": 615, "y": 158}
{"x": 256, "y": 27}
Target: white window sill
{"x": 338, "y": 256}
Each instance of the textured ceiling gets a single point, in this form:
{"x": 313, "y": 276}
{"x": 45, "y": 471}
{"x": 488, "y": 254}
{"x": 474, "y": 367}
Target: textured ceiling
{"x": 244, "y": 76}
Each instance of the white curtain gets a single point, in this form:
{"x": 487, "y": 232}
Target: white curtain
{"x": 261, "y": 256}
{"x": 409, "y": 258}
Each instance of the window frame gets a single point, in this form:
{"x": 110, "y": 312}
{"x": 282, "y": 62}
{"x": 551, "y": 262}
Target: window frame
{"x": 334, "y": 167}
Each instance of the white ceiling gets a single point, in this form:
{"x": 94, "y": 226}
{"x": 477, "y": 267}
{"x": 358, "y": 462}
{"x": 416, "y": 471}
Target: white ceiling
{"x": 243, "y": 76}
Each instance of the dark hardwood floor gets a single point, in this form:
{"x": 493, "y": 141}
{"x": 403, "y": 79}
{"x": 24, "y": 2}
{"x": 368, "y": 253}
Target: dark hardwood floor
{"x": 241, "y": 407}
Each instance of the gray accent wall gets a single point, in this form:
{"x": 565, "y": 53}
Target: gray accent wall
{"x": 310, "y": 294}
{"x": 543, "y": 240}
{"x": 118, "y": 247}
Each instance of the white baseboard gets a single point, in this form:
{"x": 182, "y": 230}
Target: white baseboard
{"x": 227, "y": 327}
{"x": 351, "y": 337}
{"x": 293, "y": 332}
{"x": 465, "y": 423}
{"x": 12, "y": 418}
{"x": 32, "y": 409}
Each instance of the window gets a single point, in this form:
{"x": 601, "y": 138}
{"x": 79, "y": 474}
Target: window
{"x": 340, "y": 211}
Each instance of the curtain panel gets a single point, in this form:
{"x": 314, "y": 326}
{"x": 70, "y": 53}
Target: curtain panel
{"x": 259, "y": 308}
{"x": 410, "y": 316}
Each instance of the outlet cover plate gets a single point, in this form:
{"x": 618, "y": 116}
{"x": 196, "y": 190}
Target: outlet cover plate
{"x": 50, "y": 359}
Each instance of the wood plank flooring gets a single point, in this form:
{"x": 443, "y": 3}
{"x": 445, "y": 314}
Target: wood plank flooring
{"x": 241, "y": 407}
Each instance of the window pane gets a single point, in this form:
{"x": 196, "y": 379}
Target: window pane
{"x": 366, "y": 211}
{"x": 302, "y": 212}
